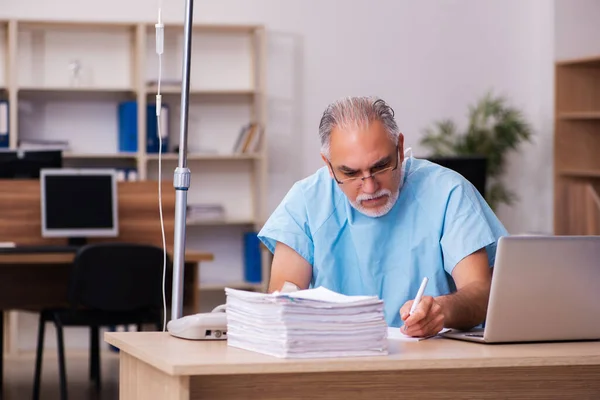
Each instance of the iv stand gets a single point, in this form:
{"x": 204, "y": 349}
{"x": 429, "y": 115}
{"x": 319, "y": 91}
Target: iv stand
{"x": 182, "y": 174}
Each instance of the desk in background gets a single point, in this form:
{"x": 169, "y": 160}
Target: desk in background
{"x": 139, "y": 219}
{"x": 155, "y": 365}
{"x": 34, "y": 281}
{"x": 38, "y": 279}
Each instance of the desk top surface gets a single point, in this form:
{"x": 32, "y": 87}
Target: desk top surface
{"x": 186, "y": 357}
{"x": 64, "y": 258}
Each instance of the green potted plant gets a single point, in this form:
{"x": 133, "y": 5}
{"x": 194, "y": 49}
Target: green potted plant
{"x": 495, "y": 128}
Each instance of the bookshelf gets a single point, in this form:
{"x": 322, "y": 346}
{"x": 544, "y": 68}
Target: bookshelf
{"x": 65, "y": 80}
{"x": 577, "y": 147}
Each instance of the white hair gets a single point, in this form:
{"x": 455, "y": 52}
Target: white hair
{"x": 354, "y": 112}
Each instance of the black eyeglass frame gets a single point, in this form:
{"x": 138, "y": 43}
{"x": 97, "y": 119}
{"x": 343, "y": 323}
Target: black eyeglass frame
{"x": 364, "y": 178}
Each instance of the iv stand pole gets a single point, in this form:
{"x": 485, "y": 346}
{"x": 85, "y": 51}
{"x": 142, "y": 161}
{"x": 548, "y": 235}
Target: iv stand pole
{"x": 181, "y": 177}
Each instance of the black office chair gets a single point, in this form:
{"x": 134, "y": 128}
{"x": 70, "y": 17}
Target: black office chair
{"x": 110, "y": 284}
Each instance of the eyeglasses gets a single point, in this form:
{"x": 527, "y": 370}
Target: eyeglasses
{"x": 359, "y": 180}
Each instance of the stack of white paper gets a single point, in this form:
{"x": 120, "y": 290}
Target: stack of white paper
{"x": 306, "y": 323}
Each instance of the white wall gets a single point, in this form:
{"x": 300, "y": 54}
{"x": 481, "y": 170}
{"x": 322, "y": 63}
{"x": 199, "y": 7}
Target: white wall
{"x": 577, "y": 28}
{"x": 429, "y": 59}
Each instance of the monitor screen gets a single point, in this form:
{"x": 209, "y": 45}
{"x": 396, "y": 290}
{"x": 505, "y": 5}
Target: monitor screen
{"x": 78, "y": 203}
{"x": 472, "y": 168}
{"x": 26, "y": 164}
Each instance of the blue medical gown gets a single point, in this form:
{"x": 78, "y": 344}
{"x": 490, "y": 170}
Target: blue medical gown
{"x": 438, "y": 219}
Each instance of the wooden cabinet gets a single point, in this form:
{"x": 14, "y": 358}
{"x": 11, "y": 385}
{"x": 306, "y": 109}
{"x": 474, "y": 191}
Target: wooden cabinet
{"x": 577, "y": 147}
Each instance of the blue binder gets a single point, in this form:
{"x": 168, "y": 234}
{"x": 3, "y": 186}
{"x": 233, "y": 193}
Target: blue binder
{"x": 128, "y": 127}
{"x": 4, "y": 124}
{"x": 252, "y": 258}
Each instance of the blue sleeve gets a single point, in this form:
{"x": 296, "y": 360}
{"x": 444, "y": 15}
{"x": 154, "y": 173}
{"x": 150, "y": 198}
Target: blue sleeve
{"x": 469, "y": 225}
{"x": 289, "y": 225}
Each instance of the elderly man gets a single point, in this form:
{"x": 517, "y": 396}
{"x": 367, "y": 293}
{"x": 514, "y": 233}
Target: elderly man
{"x": 376, "y": 221}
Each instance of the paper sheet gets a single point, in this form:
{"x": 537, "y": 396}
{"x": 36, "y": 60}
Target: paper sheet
{"x": 320, "y": 295}
{"x": 396, "y": 334}
{"x": 326, "y": 295}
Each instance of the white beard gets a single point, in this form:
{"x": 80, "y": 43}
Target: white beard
{"x": 392, "y": 198}
{"x": 381, "y": 211}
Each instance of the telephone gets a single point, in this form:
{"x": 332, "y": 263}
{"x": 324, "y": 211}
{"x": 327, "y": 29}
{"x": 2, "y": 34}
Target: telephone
{"x": 209, "y": 326}
{"x": 202, "y": 326}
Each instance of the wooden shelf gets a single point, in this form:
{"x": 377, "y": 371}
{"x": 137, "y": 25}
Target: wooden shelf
{"x": 580, "y": 173}
{"x": 581, "y": 115}
{"x": 69, "y": 24}
{"x": 75, "y": 89}
{"x": 169, "y": 89}
{"x": 214, "y": 28}
{"x": 75, "y": 93}
{"x": 69, "y": 155}
{"x": 580, "y": 62}
{"x": 70, "y": 91}
{"x": 576, "y": 144}
{"x": 108, "y": 25}
{"x": 206, "y": 157}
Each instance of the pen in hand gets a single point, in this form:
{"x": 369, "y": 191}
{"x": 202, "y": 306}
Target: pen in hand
{"x": 415, "y": 303}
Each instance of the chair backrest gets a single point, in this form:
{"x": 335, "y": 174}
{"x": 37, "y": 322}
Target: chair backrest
{"x": 117, "y": 277}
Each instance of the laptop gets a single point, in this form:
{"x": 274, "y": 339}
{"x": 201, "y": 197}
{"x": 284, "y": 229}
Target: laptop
{"x": 544, "y": 288}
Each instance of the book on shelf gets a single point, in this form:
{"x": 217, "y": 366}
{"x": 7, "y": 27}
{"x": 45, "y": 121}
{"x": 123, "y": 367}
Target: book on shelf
{"x": 4, "y": 139}
{"x": 248, "y": 140}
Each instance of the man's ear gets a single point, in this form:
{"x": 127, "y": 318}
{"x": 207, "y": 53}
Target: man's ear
{"x": 327, "y": 164}
{"x": 401, "y": 146}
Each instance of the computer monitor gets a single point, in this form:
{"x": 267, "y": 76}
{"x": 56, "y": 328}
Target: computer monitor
{"x": 79, "y": 204}
{"x": 473, "y": 168}
{"x": 26, "y": 164}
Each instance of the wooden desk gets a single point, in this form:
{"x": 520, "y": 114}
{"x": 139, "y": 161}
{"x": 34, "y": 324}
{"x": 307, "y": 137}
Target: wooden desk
{"x": 155, "y": 365}
{"x": 34, "y": 281}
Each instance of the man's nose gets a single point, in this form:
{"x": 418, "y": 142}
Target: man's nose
{"x": 369, "y": 185}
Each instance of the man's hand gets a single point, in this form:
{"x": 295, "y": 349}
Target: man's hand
{"x": 427, "y": 320}
{"x": 462, "y": 310}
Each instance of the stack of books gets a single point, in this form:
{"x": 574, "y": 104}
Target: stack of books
{"x": 311, "y": 323}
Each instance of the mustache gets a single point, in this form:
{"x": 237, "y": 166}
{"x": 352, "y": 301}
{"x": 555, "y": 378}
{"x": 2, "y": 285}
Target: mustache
{"x": 371, "y": 196}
